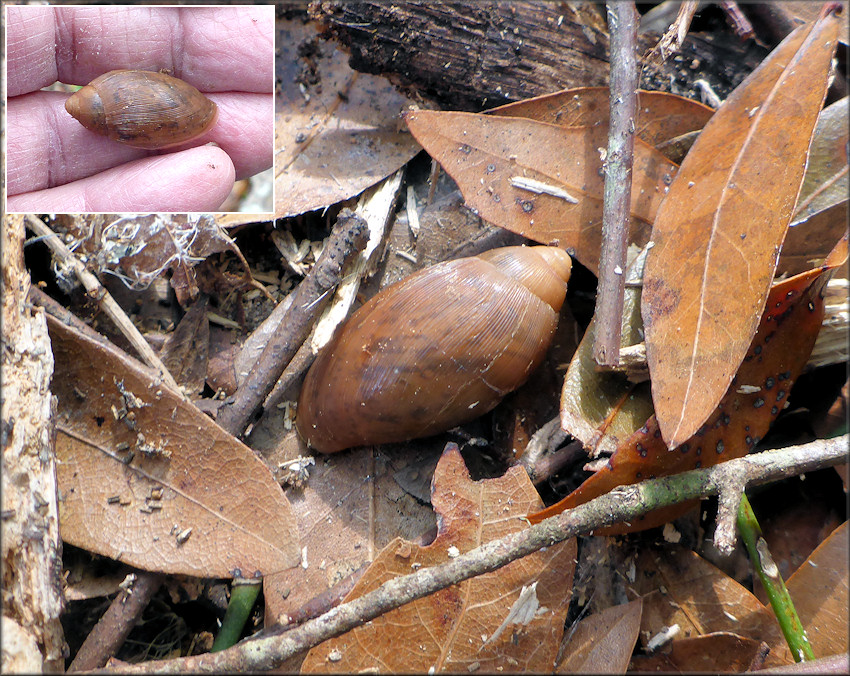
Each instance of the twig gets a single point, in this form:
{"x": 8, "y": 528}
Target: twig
{"x": 347, "y": 237}
{"x": 616, "y": 206}
{"x": 740, "y": 23}
{"x": 376, "y": 206}
{"x": 106, "y": 302}
{"x": 539, "y": 459}
{"x": 112, "y": 629}
{"x": 777, "y": 592}
{"x": 674, "y": 36}
{"x": 269, "y": 651}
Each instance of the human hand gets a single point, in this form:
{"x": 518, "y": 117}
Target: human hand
{"x": 56, "y": 165}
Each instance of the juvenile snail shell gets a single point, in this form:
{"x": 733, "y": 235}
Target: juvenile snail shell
{"x": 142, "y": 109}
{"x": 439, "y": 348}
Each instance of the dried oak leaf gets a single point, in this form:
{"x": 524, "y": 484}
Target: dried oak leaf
{"x": 510, "y": 619}
{"x": 148, "y": 479}
{"x": 603, "y": 643}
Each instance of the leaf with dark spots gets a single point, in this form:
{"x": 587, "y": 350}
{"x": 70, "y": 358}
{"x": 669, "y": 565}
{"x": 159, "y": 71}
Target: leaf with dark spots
{"x": 718, "y": 232}
{"x": 661, "y": 117}
{"x": 759, "y": 391}
{"x": 540, "y": 180}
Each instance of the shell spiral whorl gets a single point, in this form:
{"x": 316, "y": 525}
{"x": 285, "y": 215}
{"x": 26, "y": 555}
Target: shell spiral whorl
{"x": 439, "y": 348}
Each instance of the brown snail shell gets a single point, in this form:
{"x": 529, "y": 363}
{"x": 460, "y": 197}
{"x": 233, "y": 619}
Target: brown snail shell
{"x": 142, "y": 109}
{"x": 439, "y": 348}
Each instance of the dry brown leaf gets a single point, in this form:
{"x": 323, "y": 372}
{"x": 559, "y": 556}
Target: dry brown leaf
{"x": 347, "y": 510}
{"x": 720, "y": 227}
{"x": 808, "y": 241}
{"x": 661, "y": 116}
{"x": 603, "y": 409}
{"x": 489, "y": 156}
{"x": 148, "y": 479}
{"x": 603, "y": 643}
{"x": 466, "y": 627}
{"x": 826, "y": 183}
{"x": 186, "y": 349}
{"x": 337, "y": 131}
{"x": 780, "y": 349}
{"x": 679, "y": 587}
{"x": 719, "y": 652}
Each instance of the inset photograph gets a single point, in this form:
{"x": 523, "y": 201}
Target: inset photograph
{"x": 139, "y": 109}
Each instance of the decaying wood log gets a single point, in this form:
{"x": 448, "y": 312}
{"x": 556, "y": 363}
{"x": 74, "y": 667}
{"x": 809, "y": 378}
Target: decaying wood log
{"x": 475, "y": 55}
{"x": 31, "y": 562}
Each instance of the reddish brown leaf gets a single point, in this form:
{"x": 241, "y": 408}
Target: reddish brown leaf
{"x": 468, "y": 626}
{"x": 148, "y": 479}
{"x": 603, "y": 643}
{"x": 484, "y": 154}
{"x": 758, "y": 392}
{"x": 718, "y": 231}
{"x": 719, "y": 652}
{"x": 661, "y": 116}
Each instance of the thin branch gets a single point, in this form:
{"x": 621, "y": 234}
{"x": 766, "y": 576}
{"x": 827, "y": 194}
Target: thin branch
{"x": 112, "y": 628}
{"x": 270, "y": 651}
{"x": 674, "y": 36}
{"x": 106, "y": 302}
{"x": 616, "y": 211}
{"x": 349, "y": 235}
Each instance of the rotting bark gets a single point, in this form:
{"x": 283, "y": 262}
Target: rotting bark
{"x": 474, "y": 55}
{"x": 32, "y": 551}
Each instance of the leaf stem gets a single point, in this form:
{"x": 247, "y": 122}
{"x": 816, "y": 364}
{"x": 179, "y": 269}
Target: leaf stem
{"x": 777, "y": 593}
{"x": 243, "y": 595}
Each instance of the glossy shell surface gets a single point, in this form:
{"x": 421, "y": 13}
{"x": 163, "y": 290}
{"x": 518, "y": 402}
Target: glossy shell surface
{"x": 439, "y": 348}
{"x": 142, "y": 109}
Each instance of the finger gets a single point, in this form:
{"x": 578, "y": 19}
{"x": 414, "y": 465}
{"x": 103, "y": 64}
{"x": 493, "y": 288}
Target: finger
{"x": 213, "y": 48}
{"x": 30, "y": 53}
{"x": 47, "y": 147}
{"x": 198, "y": 179}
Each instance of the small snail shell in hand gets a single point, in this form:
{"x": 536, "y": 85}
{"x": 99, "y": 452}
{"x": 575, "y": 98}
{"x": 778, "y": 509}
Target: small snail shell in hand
{"x": 142, "y": 109}
{"x": 439, "y": 348}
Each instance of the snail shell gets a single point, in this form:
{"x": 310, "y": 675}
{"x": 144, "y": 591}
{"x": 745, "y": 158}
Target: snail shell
{"x": 439, "y": 348}
{"x": 142, "y": 109}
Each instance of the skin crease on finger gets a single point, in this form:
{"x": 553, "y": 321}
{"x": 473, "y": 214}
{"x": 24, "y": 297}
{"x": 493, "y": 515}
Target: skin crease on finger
{"x": 84, "y": 153}
{"x": 198, "y": 179}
